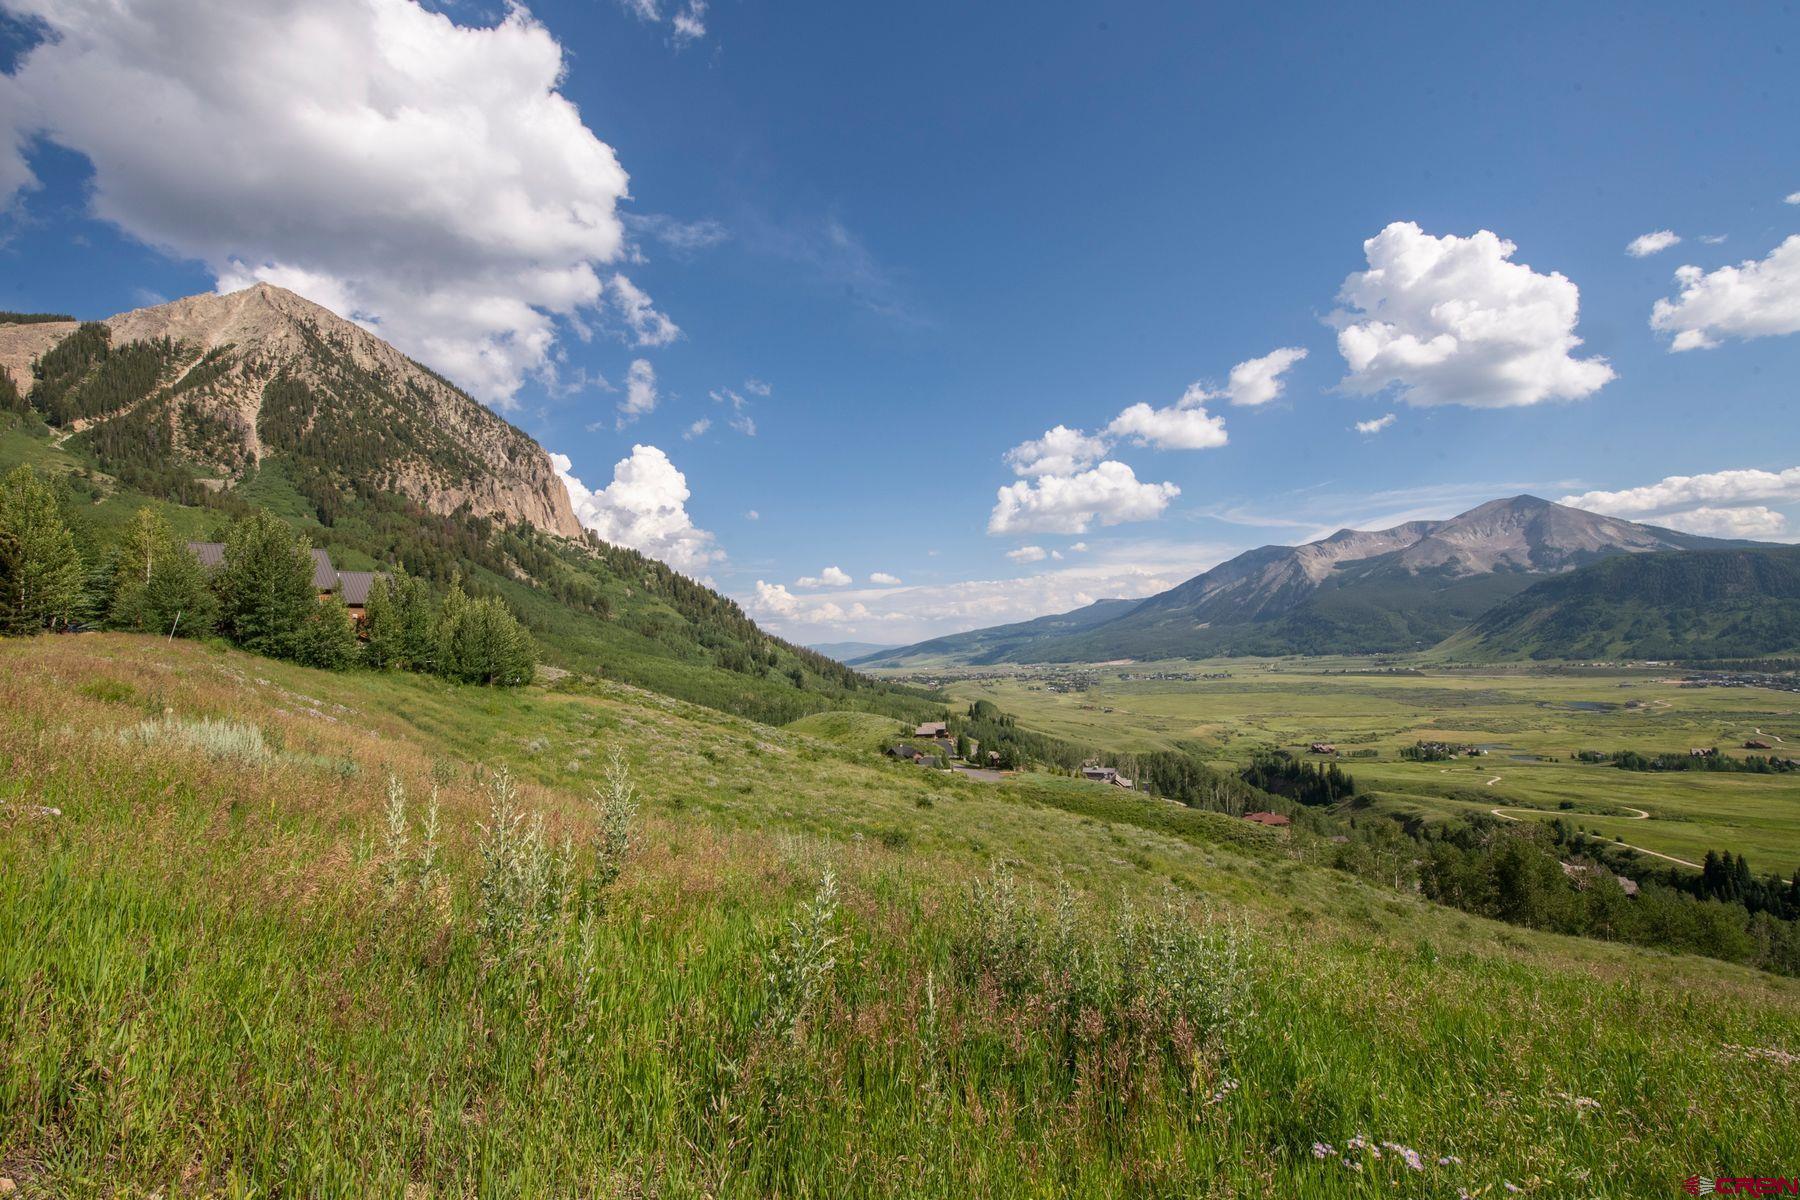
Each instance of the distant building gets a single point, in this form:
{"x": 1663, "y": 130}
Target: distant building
{"x": 1322, "y": 748}
{"x": 350, "y": 586}
{"x": 1272, "y": 820}
{"x": 1753, "y": 744}
{"x": 1098, "y": 774}
{"x": 932, "y": 729}
{"x": 905, "y": 753}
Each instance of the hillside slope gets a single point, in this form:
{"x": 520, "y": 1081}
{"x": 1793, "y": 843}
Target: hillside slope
{"x": 229, "y": 965}
{"x": 1693, "y": 604}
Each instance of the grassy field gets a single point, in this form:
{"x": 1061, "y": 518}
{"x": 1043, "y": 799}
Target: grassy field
{"x": 227, "y": 968}
{"x": 1531, "y": 721}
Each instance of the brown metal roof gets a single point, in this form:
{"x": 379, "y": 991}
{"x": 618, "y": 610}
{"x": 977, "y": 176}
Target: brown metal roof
{"x": 354, "y": 586}
{"x": 212, "y": 557}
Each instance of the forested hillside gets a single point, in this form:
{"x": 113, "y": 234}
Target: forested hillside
{"x": 1714, "y": 604}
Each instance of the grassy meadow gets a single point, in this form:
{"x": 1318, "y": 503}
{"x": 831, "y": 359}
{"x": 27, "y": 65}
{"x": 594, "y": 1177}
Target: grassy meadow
{"x": 270, "y": 932}
{"x": 1530, "y": 720}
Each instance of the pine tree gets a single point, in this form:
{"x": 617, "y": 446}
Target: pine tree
{"x": 327, "y": 638}
{"x": 480, "y": 641}
{"x": 265, "y": 588}
{"x": 40, "y": 573}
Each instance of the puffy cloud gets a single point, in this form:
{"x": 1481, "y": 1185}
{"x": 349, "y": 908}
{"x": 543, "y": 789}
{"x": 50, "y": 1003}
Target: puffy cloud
{"x": 1375, "y": 424}
{"x": 1258, "y": 380}
{"x": 1756, "y": 298}
{"x": 882, "y": 577}
{"x": 647, "y": 326}
{"x": 424, "y": 177}
{"x": 1751, "y": 521}
{"x": 1027, "y": 554}
{"x": 829, "y": 577}
{"x": 640, "y": 392}
{"x": 1179, "y": 427}
{"x": 1061, "y": 451}
{"x": 697, "y": 428}
{"x": 1644, "y": 245}
{"x": 1451, "y": 320}
{"x": 1109, "y": 494}
{"x": 757, "y": 387}
{"x": 645, "y": 508}
{"x": 1685, "y": 491}
{"x": 1078, "y": 548}
{"x": 1791, "y": 198}
{"x": 752, "y": 515}
{"x": 1714, "y": 239}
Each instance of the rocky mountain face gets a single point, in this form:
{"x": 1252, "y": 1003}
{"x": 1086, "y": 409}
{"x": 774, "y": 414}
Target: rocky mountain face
{"x": 1403, "y": 588}
{"x": 222, "y": 382}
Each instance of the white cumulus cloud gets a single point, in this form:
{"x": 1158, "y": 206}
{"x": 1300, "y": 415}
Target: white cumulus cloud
{"x": 1750, "y": 521}
{"x": 1258, "y": 380}
{"x": 426, "y": 178}
{"x": 640, "y": 392}
{"x": 644, "y": 508}
{"x": 1452, "y": 320}
{"x": 1178, "y": 427}
{"x": 1646, "y": 244}
{"x": 697, "y": 428}
{"x": 1061, "y": 451}
{"x": 1684, "y": 491}
{"x": 1791, "y": 198}
{"x": 829, "y": 577}
{"x": 1027, "y": 554}
{"x": 1375, "y": 424}
{"x": 1109, "y": 494}
{"x": 1756, "y": 298}
{"x": 885, "y": 579}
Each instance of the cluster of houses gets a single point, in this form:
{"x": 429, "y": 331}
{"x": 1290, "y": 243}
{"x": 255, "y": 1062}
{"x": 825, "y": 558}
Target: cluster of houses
{"x": 350, "y": 586}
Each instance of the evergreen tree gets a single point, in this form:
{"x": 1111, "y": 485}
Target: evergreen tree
{"x": 40, "y": 573}
{"x": 327, "y": 637}
{"x": 158, "y": 585}
{"x": 480, "y": 641}
{"x": 381, "y": 624}
{"x": 265, "y": 589}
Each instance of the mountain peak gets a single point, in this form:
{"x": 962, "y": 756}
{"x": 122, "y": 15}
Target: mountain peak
{"x": 263, "y": 371}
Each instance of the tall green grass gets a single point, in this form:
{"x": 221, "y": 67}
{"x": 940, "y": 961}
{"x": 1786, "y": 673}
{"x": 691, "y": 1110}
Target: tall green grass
{"x": 226, "y": 979}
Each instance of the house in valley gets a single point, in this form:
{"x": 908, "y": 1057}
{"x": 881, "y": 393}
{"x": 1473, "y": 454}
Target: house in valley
{"x": 932, "y": 729}
{"x": 1099, "y": 774}
{"x": 1270, "y": 819}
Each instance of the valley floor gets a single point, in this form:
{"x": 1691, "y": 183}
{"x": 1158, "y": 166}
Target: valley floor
{"x": 1530, "y": 721}
{"x": 230, "y": 967}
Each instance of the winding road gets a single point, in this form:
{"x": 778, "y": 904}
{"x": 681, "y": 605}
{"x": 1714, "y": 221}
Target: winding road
{"x": 1640, "y": 849}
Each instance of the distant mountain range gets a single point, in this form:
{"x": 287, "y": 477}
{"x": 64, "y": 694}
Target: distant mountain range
{"x": 1402, "y": 589}
{"x": 845, "y": 651}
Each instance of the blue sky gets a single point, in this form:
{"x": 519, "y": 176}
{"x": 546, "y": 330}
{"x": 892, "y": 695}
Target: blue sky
{"x": 898, "y": 244}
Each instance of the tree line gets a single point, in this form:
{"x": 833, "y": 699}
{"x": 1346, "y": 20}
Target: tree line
{"x": 263, "y": 597}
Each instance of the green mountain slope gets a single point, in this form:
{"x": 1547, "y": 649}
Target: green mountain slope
{"x": 1690, "y": 604}
{"x": 211, "y": 406}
